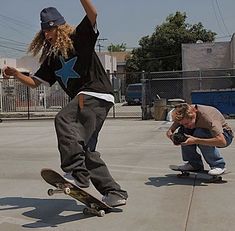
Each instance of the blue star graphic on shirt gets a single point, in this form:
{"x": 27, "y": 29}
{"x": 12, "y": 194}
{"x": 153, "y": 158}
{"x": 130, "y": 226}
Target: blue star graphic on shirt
{"x": 67, "y": 72}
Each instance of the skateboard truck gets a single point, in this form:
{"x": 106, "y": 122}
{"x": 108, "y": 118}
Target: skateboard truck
{"x": 60, "y": 188}
{"x": 93, "y": 209}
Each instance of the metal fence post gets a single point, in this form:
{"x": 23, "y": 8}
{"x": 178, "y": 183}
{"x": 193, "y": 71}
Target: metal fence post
{"x": 28, "y": 99}
{"x": 143, "y": 103}
{"x": 200, "y": 79}
{"x": 1, "y": 95}
{"x": 44, "y": 98}
{"x": 113, "y": 85}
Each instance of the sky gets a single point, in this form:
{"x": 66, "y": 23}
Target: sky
{"x": 119, "y": 21}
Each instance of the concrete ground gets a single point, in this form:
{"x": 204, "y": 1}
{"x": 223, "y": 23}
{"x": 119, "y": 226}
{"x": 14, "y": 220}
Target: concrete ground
{"x": 138, "y": 155}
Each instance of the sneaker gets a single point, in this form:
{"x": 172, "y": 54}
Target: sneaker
{"x": 216, "y": 171}
{"x": 187, "y": 167}
{"x": 114, "y": 199}
{"x": 70, "y": 178}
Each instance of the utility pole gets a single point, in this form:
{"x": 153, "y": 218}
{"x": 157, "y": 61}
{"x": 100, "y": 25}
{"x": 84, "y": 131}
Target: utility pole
{"x": 98, "y": 43}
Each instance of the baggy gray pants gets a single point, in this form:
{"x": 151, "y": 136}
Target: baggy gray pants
{"x": 77, "y": 132}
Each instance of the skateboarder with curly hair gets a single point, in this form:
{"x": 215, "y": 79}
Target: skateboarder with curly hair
{"x": 67, "y": 56}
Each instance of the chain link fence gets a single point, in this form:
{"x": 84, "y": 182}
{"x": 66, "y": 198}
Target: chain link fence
{"x": 165, "y": 89}
{"x": 160, "y": 90}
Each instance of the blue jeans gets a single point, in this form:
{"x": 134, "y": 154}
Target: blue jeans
{"x": 211, "y": 154}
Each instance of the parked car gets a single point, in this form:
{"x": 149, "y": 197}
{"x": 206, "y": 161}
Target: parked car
{"x": 134, "y": 94}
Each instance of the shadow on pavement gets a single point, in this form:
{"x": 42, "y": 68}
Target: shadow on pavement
{"x": 172, "y": 179}
{"x": 48, "y": 212}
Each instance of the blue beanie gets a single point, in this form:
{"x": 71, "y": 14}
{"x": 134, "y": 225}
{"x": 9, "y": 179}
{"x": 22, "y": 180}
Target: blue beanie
{"x": 51, "y": 17}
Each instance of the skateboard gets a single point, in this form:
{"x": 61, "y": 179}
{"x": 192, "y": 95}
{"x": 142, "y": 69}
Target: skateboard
{"x": 94, "y": 206}
{"x": 211, "y": 178}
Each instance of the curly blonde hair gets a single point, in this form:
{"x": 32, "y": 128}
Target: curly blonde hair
{"x": 183, "y": 110}
{"x": 62, "y": 46}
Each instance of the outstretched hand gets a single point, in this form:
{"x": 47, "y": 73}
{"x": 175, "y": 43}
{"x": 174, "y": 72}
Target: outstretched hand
{"x": 8, "y": 72}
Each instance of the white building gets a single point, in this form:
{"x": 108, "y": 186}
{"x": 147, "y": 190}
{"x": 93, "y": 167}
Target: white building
{"x": 109, "y": 62}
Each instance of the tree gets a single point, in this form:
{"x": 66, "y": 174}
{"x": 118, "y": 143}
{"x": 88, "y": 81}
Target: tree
{"x": 117, "y": 48}
{"x": 161, "y": 51}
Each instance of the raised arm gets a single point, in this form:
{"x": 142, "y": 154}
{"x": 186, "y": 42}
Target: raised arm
{"x": 27, "y": 80}
{"x": 90, "y": 10}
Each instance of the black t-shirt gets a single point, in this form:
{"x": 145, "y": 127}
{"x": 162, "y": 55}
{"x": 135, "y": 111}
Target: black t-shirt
{"x": 81, "y": 71}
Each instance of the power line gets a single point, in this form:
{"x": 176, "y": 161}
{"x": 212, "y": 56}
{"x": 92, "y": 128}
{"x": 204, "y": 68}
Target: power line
{"x": 215, "y": 6}
{"x": 226, "y": 28}
{"x": 17, "y": 22}
{"x": 11, "y": 40}
{"x": 11, "y": 48}
{"x": 216, "y": 16}
{"x": 11, "y": 26}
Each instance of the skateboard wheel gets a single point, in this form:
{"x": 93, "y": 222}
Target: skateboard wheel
{"x": 218, "y": 179}
{"x": 101, "y": 213}
{"x": 183, "y": 174}
{"x": 50, "y": 192}
{"x": 67, "y": 190}
{"x": 86, "y": 211}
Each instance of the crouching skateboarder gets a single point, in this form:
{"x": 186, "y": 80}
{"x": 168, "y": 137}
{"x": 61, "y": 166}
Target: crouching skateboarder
{"x": 204, "y": 128}
{"x": 68, "y": 56}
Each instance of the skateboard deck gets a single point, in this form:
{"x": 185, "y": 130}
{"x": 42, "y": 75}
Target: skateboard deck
{"x": 94, "y": 206}
{"x": 211, "y": 178}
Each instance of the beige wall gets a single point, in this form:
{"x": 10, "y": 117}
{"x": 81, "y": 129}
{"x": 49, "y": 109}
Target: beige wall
{"x": 205, "y": 56}
{"x": 199, "y": 56}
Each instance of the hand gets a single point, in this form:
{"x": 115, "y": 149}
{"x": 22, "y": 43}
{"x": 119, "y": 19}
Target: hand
{"x": 190, "y": 140}
{"x": 169, "y": 134}
{"x": 7, "y": 72}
